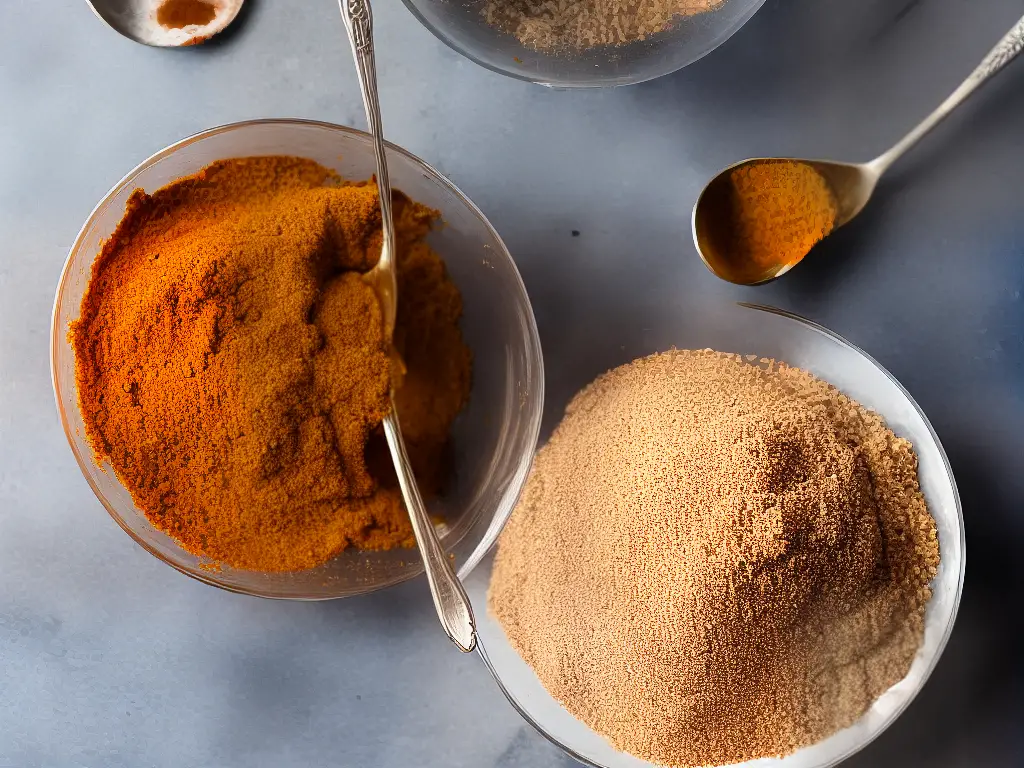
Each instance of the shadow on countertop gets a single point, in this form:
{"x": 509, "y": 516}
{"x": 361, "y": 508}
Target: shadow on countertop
{"x": 975, "y": 696}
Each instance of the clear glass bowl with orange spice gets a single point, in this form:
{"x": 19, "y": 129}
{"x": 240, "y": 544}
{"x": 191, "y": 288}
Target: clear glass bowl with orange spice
{"x": 493, "y": 439}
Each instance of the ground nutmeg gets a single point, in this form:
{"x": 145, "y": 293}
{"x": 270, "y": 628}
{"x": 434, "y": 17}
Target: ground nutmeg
{"x": 717, "y": 561}
{"x": 231, "y": 364}
{"x": 575, "y": 26}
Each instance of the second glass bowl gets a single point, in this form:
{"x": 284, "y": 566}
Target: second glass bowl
{"x": 461, "y": 25}
{"x": 764, "y": 332}
{"x": 493, "y": 439}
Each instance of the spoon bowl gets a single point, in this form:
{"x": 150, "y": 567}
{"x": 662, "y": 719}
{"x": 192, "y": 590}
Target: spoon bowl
{"x": 167, "y": 23}
{"x": 851, "y": 186}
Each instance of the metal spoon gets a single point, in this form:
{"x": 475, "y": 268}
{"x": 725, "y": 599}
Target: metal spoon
{"x": 140, "y": 20}
{"x": 450, "y": 598}
{"x": 851, "y": 184}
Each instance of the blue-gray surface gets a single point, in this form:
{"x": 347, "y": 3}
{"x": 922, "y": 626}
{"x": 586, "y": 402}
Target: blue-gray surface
{"x": 109, "y": 658}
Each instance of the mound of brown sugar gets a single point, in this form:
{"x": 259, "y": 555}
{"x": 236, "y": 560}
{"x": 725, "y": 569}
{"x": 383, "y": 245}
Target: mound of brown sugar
{"x": 573, "y": 26}
{"x": 231, "y": 363}
{"x": 716, "y": 561}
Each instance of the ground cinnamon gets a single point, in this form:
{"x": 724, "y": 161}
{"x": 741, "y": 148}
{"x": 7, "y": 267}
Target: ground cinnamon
{"x": 231, "y": 364}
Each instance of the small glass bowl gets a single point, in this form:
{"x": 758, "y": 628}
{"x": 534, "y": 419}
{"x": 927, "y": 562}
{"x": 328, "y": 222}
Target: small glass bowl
{"x": 493, "y": 439}
{"x": 460, "y": 24}
{"x": 767, "y": 332}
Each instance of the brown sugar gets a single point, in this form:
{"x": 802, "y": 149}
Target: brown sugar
{"x": 716, "y": 561}
{"x": 574, "y": 26}
{"x": 231, "y": 363}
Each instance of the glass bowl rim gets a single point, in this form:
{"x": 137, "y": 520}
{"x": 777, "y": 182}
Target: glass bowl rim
{"x": 961, "y": 530}
{"x": 571, "y": 84}
{"x": 495, "y": 526}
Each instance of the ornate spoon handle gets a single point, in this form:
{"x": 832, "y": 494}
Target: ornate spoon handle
{"x": 1006, "y": 50}
{"x": 359, "y": 23}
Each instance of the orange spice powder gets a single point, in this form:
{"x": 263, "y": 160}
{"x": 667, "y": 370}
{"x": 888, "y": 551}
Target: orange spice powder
{"x": 231, "y": 364}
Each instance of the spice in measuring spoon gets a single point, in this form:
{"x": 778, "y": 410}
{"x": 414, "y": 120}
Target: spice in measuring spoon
{"x": 755, "y": 220}
{"x": 178, "y": 14}
{"x": 763, "y": 217}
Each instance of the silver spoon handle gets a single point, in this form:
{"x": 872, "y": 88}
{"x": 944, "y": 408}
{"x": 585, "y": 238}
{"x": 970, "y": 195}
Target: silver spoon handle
{"x": 359, "y": 23}
{"x": 450, "y": 598}
{"x": 1005, "y": 51}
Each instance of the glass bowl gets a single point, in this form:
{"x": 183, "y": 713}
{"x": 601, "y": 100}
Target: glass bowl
{"x": 493, "y": 439}
{"x": 461, "y": 25}
{"x": 767, "y": 332}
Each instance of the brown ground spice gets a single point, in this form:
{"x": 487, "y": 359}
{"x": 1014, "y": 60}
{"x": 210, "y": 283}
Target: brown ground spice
{"x": 177, "y": 14}
{"x": 716, "y": 561}
{"x": 577, "y": 25}
{"x": 231, "y": 364}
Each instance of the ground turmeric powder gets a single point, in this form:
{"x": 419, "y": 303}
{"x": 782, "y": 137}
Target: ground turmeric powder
{"x": 231, "y": 363}
{"x": 768, "y": 215}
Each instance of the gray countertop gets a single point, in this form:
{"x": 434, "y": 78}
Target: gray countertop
{"x": 109, "y": 658}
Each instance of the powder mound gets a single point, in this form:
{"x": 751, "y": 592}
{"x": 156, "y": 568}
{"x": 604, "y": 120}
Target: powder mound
{"x": 716, "y": 561}
{"x": 573, "y": 26}
{"x": 231, "y": 362}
